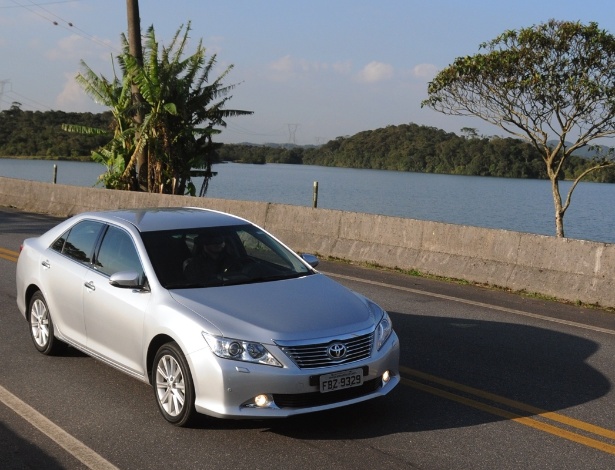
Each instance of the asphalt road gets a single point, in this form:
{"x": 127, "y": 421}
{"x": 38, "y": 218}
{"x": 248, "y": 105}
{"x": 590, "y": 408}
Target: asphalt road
{"x": 490, "y": 380}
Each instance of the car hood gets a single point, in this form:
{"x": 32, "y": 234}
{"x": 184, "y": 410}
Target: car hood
{"x": 305, "y": 308}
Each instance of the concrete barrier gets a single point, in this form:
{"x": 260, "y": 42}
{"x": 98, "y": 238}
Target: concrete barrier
{"x": 572, "y": 270}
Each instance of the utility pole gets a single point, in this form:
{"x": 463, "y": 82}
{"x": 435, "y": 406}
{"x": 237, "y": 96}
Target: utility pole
{"x": 135, "y": 49}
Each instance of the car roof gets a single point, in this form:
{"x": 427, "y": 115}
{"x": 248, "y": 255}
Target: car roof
{"x": 168, "y": 218}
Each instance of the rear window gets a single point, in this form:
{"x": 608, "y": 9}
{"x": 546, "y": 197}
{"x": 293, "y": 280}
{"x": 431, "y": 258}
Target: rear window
{"x": 78, "y": 242}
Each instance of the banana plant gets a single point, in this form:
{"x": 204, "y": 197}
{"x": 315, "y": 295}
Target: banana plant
{"x": 182, "y": 112}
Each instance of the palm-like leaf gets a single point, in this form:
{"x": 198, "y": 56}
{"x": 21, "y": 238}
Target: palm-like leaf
{"x": 180, "y": 109}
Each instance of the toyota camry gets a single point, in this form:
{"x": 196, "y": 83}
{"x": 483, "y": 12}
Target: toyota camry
{"x": 219, "y": 316}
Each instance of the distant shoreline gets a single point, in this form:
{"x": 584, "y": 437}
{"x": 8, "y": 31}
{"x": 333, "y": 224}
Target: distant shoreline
{"x": 52, "y": 158}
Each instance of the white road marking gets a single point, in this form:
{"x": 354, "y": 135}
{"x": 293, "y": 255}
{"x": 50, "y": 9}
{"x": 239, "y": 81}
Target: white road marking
{"x": 70, "y": 444}
{"x": 478, "y": 304}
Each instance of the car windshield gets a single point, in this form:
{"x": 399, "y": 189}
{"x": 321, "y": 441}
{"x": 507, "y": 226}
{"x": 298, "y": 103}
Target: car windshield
{"x": 218, "y": 256}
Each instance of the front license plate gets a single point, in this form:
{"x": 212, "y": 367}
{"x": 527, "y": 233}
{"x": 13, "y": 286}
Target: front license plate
{"x": 341, "y": 380}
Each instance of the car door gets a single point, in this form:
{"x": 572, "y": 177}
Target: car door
{"x": 114, "y": 316}
{"x": 63, "y": 268}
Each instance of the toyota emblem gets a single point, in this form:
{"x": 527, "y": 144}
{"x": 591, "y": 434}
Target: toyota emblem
{"x": 336, "y": 351}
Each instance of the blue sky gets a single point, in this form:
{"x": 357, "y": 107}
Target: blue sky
{"x": 310, "y": 70}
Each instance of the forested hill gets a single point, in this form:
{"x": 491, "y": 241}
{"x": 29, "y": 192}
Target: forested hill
{"x": 411, "y": 147}
{"x": 406, "y": 147}
{"x": 40, "y": 134}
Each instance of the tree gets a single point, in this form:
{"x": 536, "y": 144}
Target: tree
{"x": 469, "y": 132}
{"x": 181, "y": 110}
{"x": 117, "y": 153}
{"x": 552, "y": 85}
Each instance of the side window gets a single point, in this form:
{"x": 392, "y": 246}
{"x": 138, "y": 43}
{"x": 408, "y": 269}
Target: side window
{"x": 117, "y": 253}
{"x": 78, "y": 242}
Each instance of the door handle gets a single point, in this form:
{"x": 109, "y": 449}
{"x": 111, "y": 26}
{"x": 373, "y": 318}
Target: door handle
{"x": 46, "y": 264}
{"x": 90, "y": 285}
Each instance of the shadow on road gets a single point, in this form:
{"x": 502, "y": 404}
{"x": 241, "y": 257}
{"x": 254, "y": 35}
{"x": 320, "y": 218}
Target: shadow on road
{"x": 18, "y": 453}
{"x": 538, "y": 367}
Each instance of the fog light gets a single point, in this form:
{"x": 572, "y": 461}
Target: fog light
{"x": 262, "y": 401}
{"x": 386, "y": 376}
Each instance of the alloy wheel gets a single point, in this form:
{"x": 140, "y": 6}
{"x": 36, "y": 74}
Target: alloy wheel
{"x": 39, "y": 323}
{"x": 170, "y": 387}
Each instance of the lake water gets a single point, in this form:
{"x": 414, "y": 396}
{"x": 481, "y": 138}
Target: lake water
{"x": 511, "y": 204}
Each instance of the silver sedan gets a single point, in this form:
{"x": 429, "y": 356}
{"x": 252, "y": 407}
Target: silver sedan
{"x": 215, "y": 313}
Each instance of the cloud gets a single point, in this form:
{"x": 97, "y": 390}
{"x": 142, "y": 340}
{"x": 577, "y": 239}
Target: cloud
{"x": 283, "y": 67}
{"x": 342, "y": 67}
{"x": 376, "y": 72}
{"x": 426, "y": 71}
{"x": 214, "y": 45}
{"x": 288, "y": 67}
{"x": 75, "y": 47}
{"x": 67, "y": 48}
{"x": 72, "y": 95}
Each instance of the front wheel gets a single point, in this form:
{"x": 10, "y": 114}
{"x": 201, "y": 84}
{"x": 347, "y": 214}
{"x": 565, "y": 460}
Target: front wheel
{"x": 173, "y": 385}
{"x": 41, "y": 326}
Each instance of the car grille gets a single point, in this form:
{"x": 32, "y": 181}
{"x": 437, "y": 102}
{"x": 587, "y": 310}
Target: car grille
{"x": 306, "y": 400}
{"x": 313, "y": 356}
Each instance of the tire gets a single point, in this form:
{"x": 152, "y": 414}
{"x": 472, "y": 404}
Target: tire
{"x": 41, "y": 326}
{"x": 173, "y": 386}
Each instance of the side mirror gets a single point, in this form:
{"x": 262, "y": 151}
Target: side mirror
{"x": 310, "y": 259}
{"x": 126, "y": 279}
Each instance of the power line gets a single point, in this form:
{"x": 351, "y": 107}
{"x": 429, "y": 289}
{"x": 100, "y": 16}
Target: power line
{"x": 31, "y": 101}
{"x": 47, "y": 15}
{"x": 8, "y": 90}
{"x": 6, "y": 7}
{"x": 40, "y": 5}
{"x": 36, "y": 12}
{"x": 61, "y": 22}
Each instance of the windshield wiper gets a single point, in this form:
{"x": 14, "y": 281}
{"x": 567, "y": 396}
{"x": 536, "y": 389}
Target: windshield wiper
{"x": 185, "y": 285}
{"x": 277, "y": 277}
{"x": 235, "y": 281}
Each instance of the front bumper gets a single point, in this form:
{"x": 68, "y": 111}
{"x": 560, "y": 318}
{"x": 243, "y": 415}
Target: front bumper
{"x": 227, "y": 389}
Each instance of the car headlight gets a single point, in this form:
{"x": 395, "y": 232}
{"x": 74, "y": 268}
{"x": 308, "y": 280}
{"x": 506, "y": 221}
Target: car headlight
{"x": 238, "y": 350}
{"x": 383, "y": 331}
{"x": 384, "y": 328}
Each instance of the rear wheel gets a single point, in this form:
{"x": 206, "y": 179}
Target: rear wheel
{"x": 173, "y": 385}
{"x": 41, "y": 326}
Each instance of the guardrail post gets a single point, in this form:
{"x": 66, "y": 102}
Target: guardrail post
{"x": 315, "y": 195}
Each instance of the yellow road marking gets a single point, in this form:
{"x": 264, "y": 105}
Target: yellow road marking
{"x": 527, "y": 421}
{"x": 513, "y": 404}
{"x": 9, "y": 254}
{"x": 533, "y": 423}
